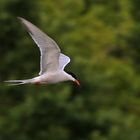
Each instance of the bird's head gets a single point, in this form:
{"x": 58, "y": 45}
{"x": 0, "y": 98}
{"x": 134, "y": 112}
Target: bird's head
{"x": 74, "y": 78}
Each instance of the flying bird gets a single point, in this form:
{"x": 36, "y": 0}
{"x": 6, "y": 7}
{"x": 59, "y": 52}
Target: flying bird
{"x": 52, "y": 61}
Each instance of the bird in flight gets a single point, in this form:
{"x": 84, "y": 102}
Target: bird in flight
{"x": 52, "y": 61}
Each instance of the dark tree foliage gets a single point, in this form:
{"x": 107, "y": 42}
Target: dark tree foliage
{"x": 102, "y": 39}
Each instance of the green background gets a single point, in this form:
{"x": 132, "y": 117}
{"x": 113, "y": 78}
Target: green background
{"x": 102, "y": 38}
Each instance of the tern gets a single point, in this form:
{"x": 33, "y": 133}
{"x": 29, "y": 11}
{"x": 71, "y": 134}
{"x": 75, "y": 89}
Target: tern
{"x": 52, "y": 61}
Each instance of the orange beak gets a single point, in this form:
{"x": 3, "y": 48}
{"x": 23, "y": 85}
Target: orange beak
{"x": 77, "y": 82}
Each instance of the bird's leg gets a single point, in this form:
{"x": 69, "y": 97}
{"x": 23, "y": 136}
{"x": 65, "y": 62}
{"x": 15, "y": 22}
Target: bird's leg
{"x": 37, "y": 83}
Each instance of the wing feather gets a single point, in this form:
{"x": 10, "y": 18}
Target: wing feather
{"x": 63, "y": 61}
{"x": 49, "y": 49}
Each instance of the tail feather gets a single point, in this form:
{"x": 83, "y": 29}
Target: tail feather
{"x": 17, "y": 82}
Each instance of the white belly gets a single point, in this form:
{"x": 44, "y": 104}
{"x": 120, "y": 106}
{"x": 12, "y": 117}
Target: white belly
{"x": 54, "y": 77}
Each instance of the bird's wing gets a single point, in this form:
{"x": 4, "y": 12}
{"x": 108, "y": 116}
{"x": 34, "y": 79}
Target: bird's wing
{"x": 63, "y": 61}
{"x": 49, "y": 49}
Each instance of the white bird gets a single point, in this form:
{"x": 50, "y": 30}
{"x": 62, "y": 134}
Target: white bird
{"x": 52, "y": 61}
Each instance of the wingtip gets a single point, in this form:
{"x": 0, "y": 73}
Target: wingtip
{"x": 20, "y": 18}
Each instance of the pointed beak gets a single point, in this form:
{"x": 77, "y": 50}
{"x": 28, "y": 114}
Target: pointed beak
{"x": 77, "y": 82}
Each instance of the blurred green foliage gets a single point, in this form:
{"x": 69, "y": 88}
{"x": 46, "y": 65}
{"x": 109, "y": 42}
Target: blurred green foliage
{"x": 102, "y": 37}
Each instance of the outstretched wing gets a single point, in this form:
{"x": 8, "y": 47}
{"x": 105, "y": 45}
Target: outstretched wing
{"x": 49, "y": 49}
{"x": 63, "y": 61}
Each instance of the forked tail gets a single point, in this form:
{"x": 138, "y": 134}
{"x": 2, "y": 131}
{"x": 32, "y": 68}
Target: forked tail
{"x": 18, "y": 82}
